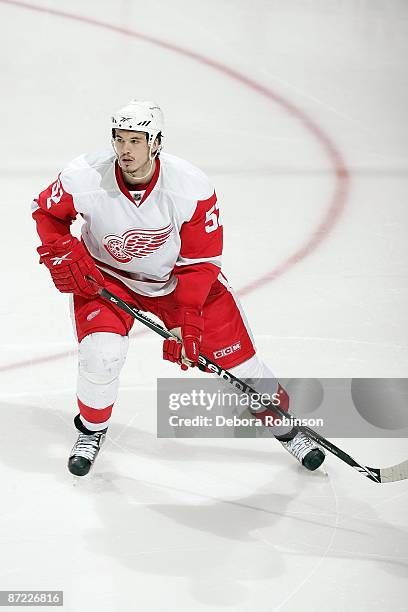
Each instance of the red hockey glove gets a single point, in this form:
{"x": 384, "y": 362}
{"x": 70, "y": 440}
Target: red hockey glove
{"x": 186, "y": 352}
{"x": 69, "y": 264}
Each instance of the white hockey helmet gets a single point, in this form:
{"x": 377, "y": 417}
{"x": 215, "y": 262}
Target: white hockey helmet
{"x": 140, "y": 116}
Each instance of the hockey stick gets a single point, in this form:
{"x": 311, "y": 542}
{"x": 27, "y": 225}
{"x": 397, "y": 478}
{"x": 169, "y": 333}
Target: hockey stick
{"x": 380, "y": 475}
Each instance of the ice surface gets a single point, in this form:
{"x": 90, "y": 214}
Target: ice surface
{"x": 213, "y": 524}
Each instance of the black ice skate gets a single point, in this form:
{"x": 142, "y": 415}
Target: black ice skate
{"x": 309, "y": 454}
{"x": 84, "y": 452}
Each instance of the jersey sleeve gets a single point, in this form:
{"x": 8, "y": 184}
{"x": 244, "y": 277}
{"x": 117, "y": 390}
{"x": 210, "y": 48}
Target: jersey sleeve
{"x": 199, "y": 262}
{"x": 53, "y": 211}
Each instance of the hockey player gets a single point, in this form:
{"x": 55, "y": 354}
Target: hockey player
{"x": 152, "y": 234}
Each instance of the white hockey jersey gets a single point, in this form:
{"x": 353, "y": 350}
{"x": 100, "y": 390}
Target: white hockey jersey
{"x": 142, "y": 238}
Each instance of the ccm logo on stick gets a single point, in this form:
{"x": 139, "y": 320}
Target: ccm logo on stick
{"x": 227, "y": 350}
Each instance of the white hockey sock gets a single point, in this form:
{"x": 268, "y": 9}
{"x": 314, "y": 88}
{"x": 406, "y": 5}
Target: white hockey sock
{"x": 259, "y": 376}
{"x": 101, "y": 358}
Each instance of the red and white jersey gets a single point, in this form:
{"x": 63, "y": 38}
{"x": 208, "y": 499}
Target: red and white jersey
{"x": 151, "y": 238}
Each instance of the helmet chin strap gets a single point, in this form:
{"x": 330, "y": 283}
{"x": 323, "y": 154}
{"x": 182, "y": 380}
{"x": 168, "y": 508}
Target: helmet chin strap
{"x": 132, "y": 174}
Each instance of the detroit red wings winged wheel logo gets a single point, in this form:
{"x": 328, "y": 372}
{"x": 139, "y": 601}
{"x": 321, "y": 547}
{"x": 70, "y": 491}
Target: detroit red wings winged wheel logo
{"x": 136, "y": 243}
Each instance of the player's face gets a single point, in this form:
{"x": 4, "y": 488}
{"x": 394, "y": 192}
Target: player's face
{"x": 132, "y": 150}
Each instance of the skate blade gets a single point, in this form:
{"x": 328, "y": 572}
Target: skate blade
{"x": 75, "y": 480}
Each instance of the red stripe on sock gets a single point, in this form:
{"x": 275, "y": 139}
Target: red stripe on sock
{"x": 283, "y": 405}
{"x": 94, "y": 415}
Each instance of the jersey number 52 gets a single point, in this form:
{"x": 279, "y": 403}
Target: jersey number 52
{"x": 56, "y": 194}
{"x": 212, "y": 219}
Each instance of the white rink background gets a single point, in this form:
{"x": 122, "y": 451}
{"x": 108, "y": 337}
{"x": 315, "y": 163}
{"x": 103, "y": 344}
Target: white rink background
{"x": 213, "y": 525}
